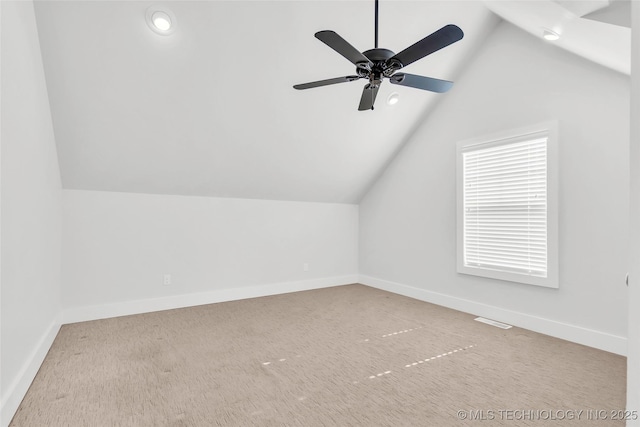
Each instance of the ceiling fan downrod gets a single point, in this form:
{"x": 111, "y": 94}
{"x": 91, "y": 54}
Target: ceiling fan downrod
{"x": 375, "y": 42}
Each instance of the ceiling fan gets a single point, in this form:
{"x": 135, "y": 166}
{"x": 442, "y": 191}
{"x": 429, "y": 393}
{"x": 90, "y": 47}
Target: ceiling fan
{"x": 378, "y": 63}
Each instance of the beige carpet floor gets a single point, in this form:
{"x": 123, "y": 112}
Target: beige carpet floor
{"x": 343, "y": 356}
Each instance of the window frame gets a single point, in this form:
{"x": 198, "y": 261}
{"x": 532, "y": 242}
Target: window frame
{"x": 550, "y": 130}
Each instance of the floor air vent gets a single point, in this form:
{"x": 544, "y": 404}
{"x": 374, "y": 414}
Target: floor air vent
{"x": 493, "y": 323}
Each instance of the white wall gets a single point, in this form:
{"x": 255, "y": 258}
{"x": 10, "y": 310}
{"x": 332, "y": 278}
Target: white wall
{"x": 633, "y": 352}
{"x": 408, "y": 219}
{"x": 118, "y": 246}
{"x": 31, "y": 214}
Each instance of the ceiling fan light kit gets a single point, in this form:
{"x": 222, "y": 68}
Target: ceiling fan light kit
{"x": 378, "y": 63}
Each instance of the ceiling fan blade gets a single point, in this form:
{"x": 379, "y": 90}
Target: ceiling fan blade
{"x": 326, "y": 82}
{"x": 445, "y": 36}
{"x": 421, "y": 82}
{"x": 368, "y": 97}
{"x": 340, "y": 45}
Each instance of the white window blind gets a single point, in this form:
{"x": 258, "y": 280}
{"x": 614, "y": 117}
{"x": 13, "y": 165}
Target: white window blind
{"x": 505, "y": 207}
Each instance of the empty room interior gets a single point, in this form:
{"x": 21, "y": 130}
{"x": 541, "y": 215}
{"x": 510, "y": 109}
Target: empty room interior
{"x": 319, "y": 213}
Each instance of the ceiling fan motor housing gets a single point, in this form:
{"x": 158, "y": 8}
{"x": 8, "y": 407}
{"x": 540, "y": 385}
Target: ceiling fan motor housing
{"x": 378, "y": 55}
{"x": 380, "y": 68}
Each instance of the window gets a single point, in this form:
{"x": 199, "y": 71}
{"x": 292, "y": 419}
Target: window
{"x": 507, "y": 206}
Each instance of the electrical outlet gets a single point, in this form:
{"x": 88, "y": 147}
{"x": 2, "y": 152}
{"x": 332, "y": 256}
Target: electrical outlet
{"x": 166, "y": 280}
{"x": 305, "y": 267}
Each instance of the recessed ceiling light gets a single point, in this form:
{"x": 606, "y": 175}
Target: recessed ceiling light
{"x": 550, "y": 35}
{"x": 393, "y": 98}
{"x": 161, "y": 20}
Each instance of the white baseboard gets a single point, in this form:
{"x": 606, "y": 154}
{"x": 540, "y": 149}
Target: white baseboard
{"x": 17, "y": 390}
{"x": 125, "y": 308}
{"x": 589, "y": 337}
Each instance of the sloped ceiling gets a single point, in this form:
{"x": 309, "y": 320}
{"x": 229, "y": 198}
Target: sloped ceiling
{"x": 597, "y": 35}
{"x": 617, "y": 13}
{"x": 210, "y": 110}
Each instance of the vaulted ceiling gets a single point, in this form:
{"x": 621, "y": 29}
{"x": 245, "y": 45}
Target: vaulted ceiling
{"x": 210, "y": 110}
